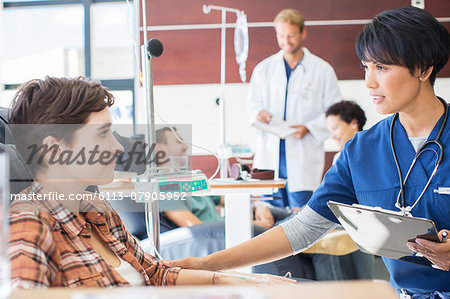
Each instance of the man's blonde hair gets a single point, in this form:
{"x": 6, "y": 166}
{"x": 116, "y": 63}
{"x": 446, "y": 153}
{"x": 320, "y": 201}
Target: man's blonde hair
{"x": 291, "y": 16}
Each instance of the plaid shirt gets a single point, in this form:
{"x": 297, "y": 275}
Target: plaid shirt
{"x": 51, "y": 247}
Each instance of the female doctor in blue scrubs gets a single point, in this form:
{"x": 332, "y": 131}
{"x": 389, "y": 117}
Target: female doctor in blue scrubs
{"x": 401, "y": 51}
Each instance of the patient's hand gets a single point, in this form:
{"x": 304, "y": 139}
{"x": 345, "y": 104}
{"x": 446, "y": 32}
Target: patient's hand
{"x": 295, "y": 210}
{"x": 437, "y": 253}
{"x": 263, "y": 216}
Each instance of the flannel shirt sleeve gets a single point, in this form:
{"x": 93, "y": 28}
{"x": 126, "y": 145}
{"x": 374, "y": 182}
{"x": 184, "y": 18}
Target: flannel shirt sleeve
{"x": 31, "y": 249}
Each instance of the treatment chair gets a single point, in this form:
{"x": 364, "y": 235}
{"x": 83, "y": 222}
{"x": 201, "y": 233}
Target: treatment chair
{"x": 20, "y": 177}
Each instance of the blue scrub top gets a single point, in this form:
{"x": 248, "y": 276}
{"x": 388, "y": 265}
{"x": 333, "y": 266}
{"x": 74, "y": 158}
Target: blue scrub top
{"x": 365, "y": 173}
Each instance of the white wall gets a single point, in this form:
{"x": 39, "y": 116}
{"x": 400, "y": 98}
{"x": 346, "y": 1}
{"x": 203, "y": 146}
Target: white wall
{"x": 195, "y": 104}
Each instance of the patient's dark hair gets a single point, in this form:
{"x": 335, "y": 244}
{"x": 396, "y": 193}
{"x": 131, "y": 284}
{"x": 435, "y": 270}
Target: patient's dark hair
{"x": 405, "y": 36}
{"x": 58, "y": 101}
{"x": 348, "y": 111}
{"x": 41, "y": 106}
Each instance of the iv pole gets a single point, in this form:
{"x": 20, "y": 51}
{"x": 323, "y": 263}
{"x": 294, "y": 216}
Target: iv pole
{"x": 222, "y": 132}
{"x": 150, "y": 115}
{"x": 147, "y": 80}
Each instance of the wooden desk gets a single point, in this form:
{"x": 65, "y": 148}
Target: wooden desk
{"x": 310, "y": 290}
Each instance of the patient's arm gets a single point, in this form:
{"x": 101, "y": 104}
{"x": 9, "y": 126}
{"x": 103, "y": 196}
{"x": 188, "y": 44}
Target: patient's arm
{"x": 192, "y": 277}
{"x": 182, "y": 218}
{"x": 199, "y": 277}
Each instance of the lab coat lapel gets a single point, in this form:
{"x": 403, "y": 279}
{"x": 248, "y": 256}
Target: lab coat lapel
{"x": 405, "y": 155}
{"x": 278, "y": 87}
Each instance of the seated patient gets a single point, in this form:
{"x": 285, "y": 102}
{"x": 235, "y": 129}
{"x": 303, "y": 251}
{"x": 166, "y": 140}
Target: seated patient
{"x": 344, "y": 120}
{"x": 61, "y": 235}
{"x": 198, "y": 209}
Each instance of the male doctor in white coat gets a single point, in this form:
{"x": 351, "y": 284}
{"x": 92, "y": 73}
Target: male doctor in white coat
{"x": 296, "y": 86}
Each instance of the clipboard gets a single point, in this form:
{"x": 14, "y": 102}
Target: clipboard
{"x": 383, "y": 232}
{"x": 277, "y": 127}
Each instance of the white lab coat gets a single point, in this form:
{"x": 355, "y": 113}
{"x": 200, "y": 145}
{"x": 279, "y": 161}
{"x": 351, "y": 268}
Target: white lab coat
{"x": 313, "y": 87}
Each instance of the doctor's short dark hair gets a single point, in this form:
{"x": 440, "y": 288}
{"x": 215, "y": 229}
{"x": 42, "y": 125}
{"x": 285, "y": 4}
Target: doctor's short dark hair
{"x": 348, "y": 111}
{"x": 43, "y": 105}
{"x": 405, "y": 36}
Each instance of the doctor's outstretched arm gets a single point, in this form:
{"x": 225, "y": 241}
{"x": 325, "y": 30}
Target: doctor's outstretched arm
{"x": 293, "y": 236}
{"x": 271, "y": 245}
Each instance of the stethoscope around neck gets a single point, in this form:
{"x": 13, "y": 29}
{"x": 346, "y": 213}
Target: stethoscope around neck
{"x": 406, "y": 210}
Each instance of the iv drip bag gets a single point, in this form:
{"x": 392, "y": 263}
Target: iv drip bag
{"x": 241, "y": 43}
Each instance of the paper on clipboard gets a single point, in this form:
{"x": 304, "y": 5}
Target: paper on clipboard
{"x": 276, "y": 126}
{"x": 383, "y": 232}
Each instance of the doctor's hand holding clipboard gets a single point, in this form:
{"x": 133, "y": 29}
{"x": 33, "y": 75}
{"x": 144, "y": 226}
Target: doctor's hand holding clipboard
{"x": 437, "y": 253}
{"x": 302, "y": 130}
{"x": 266, "y": 117}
